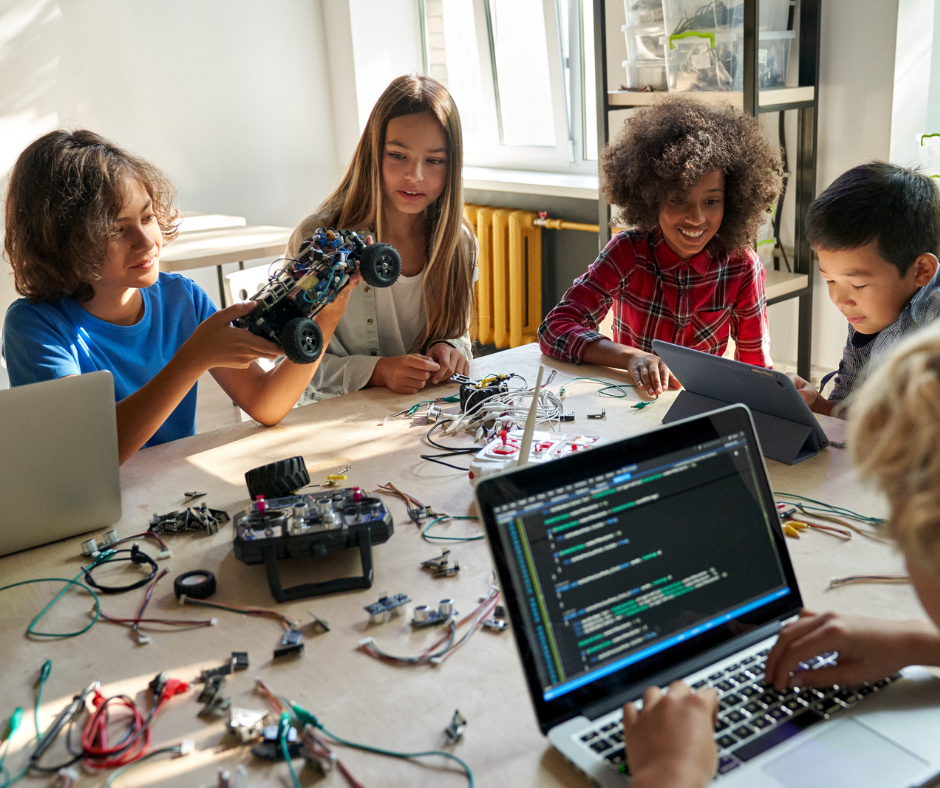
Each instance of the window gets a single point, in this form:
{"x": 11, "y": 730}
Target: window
{"x": 522, "y": 74}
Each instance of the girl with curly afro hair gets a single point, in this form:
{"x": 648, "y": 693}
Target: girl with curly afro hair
{"x": 695, "y": 182}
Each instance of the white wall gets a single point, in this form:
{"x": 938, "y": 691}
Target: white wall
{"x": 371, "y": 42}
{"x": 916, "y": 79}
{"x": 386, "y": 44}
{"x": 856, "y": 85}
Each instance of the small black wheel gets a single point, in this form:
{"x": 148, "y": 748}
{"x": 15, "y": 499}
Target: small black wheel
{"x": 277, "y": 479}
{"x": 302, "y": 340}
{"x": 380, "y": 265}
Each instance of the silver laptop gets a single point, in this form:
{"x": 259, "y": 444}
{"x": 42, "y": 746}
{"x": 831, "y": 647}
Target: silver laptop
{"x": 58, "y": 460}
{"x": 661, "y": 557}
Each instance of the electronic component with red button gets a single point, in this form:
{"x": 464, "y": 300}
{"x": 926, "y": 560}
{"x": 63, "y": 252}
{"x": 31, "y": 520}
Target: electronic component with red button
{"x": 502, "y": 452}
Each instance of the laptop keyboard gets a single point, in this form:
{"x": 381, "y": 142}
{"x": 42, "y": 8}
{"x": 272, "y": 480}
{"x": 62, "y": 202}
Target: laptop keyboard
{"x": 752, "y": 716}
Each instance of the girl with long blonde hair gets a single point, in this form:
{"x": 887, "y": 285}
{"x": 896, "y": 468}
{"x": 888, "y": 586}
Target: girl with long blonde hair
{"x": 403, "y": 186}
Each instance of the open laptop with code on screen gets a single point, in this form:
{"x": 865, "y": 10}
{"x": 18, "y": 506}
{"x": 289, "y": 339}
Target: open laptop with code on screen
{"x": 661, "y": 557}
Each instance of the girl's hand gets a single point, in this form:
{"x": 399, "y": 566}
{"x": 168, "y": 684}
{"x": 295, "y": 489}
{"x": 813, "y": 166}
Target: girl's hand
{"x": 670, "y": 742}
{"x": 869, "y": 649}
{"x": 450, "y": 360}
{"x": 403, "y": 374}
{"x": 650, "y": 372}
{"x": 217, "y": 343}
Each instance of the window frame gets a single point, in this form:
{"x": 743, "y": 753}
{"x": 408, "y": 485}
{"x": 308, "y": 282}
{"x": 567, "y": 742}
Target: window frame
{"x": 569, "y": 118}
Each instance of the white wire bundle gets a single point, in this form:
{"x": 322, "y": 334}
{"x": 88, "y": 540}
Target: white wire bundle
{"x": 513, "y": 404}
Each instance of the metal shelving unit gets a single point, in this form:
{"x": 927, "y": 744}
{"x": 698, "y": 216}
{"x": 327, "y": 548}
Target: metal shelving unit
{"x": 781, "y": 285}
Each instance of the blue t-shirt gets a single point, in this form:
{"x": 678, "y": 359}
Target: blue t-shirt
{"x": 51, "y": 340}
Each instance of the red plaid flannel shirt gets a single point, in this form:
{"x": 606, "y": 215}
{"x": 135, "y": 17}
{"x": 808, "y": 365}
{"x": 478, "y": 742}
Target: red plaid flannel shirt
{"x": 696, "y": 303}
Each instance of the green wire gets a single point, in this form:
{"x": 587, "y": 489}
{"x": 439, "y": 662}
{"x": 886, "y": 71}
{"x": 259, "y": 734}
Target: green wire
{"x": 43, "y": 675}
{"x": 403, "y": 755}
{"x": 305, "y": 717}
{"x": 16, "y": 779}
{"x": 415, "y": 407}
{"x": 12, "y": 728}
{"x": 283, "y": 728}
{"x": 174, "y": 749}
{"x": 436, "y": 520}
{"x": 829, "y": 508}
{"x": 30, "y": 630}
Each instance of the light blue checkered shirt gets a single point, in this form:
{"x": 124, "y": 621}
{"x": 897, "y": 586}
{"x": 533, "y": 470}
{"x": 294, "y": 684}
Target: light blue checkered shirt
{"x": 863, "y": 352}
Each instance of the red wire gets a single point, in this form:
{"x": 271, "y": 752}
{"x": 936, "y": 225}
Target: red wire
{"x": 179, "y": 622}
{"x": 98, "y": 753}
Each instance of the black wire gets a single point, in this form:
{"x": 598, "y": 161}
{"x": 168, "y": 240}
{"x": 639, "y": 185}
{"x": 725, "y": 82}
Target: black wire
{"x": 76, "y": 756}
{"x": 783, "y": 192}
{"x": 433, "y": 458}
{"x": 448, "y": 449}
{"x": 68, "y": 740}
{"x": 58, "y": 767}
{"x": 138, "y": 556}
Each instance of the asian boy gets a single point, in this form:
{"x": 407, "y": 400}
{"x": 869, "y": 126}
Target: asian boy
{"x": 876, "y": 230}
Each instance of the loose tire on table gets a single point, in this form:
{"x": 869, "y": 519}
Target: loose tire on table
{"x": 278, "y": 478}
{"x": 302, "y": 340}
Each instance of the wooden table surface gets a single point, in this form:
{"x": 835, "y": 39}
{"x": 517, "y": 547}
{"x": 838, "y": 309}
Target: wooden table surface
{"x": 402, "y": 708}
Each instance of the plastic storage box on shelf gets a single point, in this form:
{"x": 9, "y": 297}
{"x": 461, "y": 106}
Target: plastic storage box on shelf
{"x": 773, "y": 57}
{"x": 643, "y": 12}
{"x": 645, "y": 42}
{"x": 645, "y": 74}
{"x": 765, "y": 240}
{"x": 928, "y": 154}
{"x": 711, "y": 60}
{"x": 682, "y": 15}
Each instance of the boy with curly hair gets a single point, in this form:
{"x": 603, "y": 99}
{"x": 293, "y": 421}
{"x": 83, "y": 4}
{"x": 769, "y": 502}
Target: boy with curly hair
{"x": 894, "y": 430}
{"x": 85, "y": 224}
{"x": 695, "y": 181}
{"x": 876, "y": 230}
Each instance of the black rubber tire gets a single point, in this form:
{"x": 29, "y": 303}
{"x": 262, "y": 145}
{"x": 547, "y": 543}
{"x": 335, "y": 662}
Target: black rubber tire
{"x": 277, "y": 479}
{"x": 302, "y": 340}
{"x": 380, "y": 265}
{"x": 198, "y": 584}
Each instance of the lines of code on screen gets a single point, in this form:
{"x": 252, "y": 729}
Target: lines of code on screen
{"x": 622, "y": 566}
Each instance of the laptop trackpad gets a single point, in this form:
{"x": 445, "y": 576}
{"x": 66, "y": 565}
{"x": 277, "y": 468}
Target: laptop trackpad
{"x": 844, "y": 753}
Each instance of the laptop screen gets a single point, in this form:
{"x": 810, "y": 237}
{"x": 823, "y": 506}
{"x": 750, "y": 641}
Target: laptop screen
{"x": 637, "y": 554}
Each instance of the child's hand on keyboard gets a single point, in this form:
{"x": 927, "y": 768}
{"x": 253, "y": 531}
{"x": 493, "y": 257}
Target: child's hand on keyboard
{"x": 868, "y": 649}
{"x": 670, "y": 741}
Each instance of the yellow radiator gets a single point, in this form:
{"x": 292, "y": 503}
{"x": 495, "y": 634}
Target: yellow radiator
{"x": 509, "y": 291}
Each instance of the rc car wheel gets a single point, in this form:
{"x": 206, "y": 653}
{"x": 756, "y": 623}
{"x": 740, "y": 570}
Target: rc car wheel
{"x": 302, "y": 340}
{"x": 380, "y": 265}
{"x": 277, "y": 479}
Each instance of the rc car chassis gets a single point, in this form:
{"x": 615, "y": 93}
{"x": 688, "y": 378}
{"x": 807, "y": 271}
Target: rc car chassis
{"x": 305, "y": 285}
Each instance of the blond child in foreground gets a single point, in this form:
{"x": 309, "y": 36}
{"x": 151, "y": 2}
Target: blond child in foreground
{"x": 894, "y": 433}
